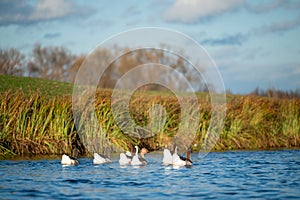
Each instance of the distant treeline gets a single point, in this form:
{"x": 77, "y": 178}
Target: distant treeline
{"x": 60, "y": 64}
{"x": 274, "y": 93}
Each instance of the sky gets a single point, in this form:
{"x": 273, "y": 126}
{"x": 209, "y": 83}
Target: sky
{"x": 254, "y": 43}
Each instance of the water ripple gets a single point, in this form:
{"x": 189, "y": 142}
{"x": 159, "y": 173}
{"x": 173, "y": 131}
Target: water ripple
{"x": 225, "y": 175}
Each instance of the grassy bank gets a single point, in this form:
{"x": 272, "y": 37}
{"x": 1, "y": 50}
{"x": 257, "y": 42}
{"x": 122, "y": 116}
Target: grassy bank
{"x": 44, "y": 87}
{"x": 41, "y": 122}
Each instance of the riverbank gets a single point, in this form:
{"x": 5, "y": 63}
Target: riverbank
{"x": 33, "y": 122}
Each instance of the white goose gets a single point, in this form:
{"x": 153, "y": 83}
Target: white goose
{"x": 180, "y": 161}
{"x": 125, "y": 158}
{"x": 101, "y": 158}
{"x": 176, "y": 160}
{"x": 167, "y": 159}
{"x": 70, "y": 160}
{"x": 136, "y": 160}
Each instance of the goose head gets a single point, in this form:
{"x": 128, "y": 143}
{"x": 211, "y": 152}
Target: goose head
{"x": 75, "y": 153}
{"x": 143, "y": 152}
{"x": 106, "y": 151}
{"x": 188, "y": 153}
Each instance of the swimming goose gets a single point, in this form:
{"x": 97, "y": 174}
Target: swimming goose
{"x": 188, "y": 161}
{"x": 180, "y": 161}
{"x": 167, "y": 159}
{"x": 176, "y": 159}
{"x": 136, "y": 160}
{"x": 70, "y": 160}
{"x": 101, "y": 158}
{"x": 125, "y": 158}
{"x": 142, "y": 156}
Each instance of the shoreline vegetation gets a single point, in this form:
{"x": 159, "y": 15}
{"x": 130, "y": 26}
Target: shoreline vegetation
{"x": 36, "y": 119}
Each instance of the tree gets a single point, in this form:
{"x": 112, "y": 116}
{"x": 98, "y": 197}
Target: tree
{"x": 57, "y": 63}
{"x": 73, "y": 69}
{"x": 11, "y": 61}
{"x": 131, "y": 59}
{"x": 50, "y": 62}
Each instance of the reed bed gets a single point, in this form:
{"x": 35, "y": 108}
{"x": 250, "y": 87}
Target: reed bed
{"x": 261, "y": 123}
{"x": 35, "y": 124}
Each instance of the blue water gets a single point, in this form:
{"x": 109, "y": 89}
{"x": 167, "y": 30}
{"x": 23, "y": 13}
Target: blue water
{"x": 222, "y": 175}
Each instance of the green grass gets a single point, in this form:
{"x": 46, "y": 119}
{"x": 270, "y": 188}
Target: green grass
{"x": 26, "y": 84}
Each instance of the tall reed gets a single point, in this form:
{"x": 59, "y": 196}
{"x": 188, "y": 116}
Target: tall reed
{"x": 261, "y": 123}
{"x": 32, "y": 123}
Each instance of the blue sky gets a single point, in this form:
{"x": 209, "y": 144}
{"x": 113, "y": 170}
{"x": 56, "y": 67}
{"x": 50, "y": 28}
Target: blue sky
{"x": 254, "y": 43}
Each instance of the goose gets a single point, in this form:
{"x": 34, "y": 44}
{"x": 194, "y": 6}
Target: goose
{"x": 180, "y": 161}
{"x": 70, "y": 160}
{"x": 125, "y": 158}
{"x": 188, "y": 161}
{"x": 101, "y": 158}
{"x": 136, "y": 160}
{"x": 176, "y": 159}
{"x": 167, "y": 159}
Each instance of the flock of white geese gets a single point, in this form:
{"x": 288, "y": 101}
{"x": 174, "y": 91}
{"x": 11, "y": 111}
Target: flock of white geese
{"x": 135, "y": 160}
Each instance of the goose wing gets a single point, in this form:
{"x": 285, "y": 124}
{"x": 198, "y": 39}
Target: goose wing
{"x": 107, "y": 158}
{"x": 167, "y": 159}
{"x": 135, "y": 160}
{"x": 98, "y": 159}
{"x": 68, "y": 160}
{"x": 143, "y": 161}
{"x": 124, "y": 159}
{"x": 185, "y": 159}
{"x": 177, "y": 161}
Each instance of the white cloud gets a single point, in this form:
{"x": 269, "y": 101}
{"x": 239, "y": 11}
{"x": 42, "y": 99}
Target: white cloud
{"x": 193, "y": 10}
{"x": 263, "y": 7}
{"x": 49, "y": 9}
{"x": 278, "y": 27}
{"x": 22, "y": 12}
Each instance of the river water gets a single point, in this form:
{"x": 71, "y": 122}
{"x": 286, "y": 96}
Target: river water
{"x": 222, "y": 175}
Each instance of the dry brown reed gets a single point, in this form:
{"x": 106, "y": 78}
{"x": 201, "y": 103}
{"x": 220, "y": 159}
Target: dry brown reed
{"x": 35, "y": 124}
